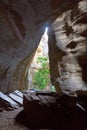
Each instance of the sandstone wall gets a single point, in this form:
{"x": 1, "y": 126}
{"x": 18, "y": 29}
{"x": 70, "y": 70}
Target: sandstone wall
{"x": 21, "y": 27}
{"x": 68, "y": 50}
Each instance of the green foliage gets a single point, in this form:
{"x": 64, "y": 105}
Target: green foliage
{"x": 41, "y": 77}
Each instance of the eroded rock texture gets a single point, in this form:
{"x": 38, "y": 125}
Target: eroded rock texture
{"x": 22, "y": 24}
{"x": 21, "y": 27}
{"x": 68, "y": 56}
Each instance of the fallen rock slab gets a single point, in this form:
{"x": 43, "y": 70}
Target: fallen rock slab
{"x": 18, "y": 93}
{"x": 47, "y": 111}
{"x": 11, "y": 101}
{"x": 7, "y": 100}
{"x": 16, "y": 98}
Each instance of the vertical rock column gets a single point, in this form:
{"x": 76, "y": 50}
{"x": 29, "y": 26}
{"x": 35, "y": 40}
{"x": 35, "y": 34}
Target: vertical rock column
{"x": 55, "y": 55}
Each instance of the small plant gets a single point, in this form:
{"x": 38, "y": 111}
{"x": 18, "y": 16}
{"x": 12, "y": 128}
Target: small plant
{"x": 41, "y": 76}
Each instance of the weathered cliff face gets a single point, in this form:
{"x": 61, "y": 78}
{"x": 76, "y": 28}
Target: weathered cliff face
{"x": 22, "y": 24}
{"x": 68, "y": 56}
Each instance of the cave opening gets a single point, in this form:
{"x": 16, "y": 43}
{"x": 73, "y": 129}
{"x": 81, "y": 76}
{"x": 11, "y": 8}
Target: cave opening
{"x": 39, "y": 71}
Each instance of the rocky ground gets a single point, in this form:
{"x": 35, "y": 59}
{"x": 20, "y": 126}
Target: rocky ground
{"x": 7, "y": 120}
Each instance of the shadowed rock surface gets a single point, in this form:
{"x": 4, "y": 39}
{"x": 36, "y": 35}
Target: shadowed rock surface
{"x": 21, "y": 27}
{"x": 46, "y": 110}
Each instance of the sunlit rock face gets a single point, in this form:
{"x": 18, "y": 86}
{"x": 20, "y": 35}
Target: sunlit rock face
{"x": 70, "y": 41}
{"x": 21, "y": 27}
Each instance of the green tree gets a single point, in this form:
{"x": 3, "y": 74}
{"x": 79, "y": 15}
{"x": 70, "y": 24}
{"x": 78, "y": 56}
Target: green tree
{"x": 41, "y": 76}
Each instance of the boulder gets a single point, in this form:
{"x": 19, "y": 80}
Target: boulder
{"x": 61, "y": 112}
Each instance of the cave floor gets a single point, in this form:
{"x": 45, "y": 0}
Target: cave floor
{"x": 7, "y": 120}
